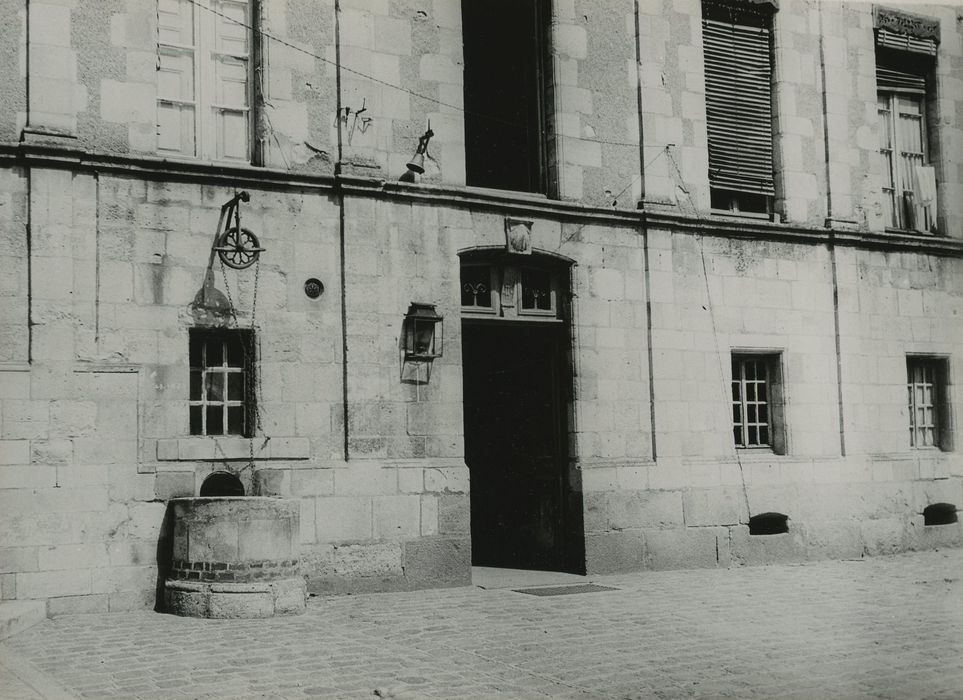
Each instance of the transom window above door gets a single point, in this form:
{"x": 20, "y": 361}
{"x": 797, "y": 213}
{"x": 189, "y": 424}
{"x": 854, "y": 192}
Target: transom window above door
{"x": 523, "y": 292}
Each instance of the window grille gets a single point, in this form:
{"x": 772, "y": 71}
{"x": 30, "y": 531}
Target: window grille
{"x": 509, "y": 291}
{"x": 204, "y": 79}
{"x": 477, "y": 287}
{"x": 752, "y": 400}
{"x": 923, "y": 387}
{"x": 222, "y": 382}
{"x": 738, "y": 72}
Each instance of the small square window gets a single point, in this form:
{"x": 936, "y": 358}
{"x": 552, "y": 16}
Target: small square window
{"x": 757, "y": 402}
{"x": 222, "y": 382}
{"x": 477, "y": 288}
{"x": 537, "y": 291}
{"x": 928, "y": 407}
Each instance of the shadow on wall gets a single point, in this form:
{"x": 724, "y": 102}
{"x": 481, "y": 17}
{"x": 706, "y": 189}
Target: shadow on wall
{"x": 165, "y": 552}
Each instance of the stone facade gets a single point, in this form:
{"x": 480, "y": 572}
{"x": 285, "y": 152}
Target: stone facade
{"x": 108, "y": 245}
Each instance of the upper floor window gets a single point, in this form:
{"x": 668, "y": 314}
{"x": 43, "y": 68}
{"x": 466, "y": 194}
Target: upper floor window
{"x": 905, "y": 50}
{"x": 222, "y": 382}
{"x": 505, "y": 49}
{"x": 204, "y": 86}
{"x": 738, "y": 71}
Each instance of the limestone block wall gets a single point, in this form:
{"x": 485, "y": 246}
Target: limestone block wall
{"x": 854, "y": 167}
{"x": 672, "y": 104}
{"x": 798, "y": 127}
{"x": 96, "y": 436}
{"x": 893, "y": 304}
{"x": 849, "y": 482}
{"x": 417, "y": 46}
{"x": 13, "y": 84}
{"x": 593, "y": 103}
{"x": 13, "y": 267}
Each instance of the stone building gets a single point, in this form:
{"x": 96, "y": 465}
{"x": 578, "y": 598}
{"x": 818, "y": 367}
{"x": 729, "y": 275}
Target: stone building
{"x": 695, "y": 266}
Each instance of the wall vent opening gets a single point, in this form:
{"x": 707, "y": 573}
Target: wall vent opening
{"x": 768, "y": 524}
{"x": 222, "y": 484}
{"x": 940, "y": 514}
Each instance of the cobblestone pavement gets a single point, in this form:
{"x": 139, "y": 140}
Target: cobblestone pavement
{"x": 888, "y": 627}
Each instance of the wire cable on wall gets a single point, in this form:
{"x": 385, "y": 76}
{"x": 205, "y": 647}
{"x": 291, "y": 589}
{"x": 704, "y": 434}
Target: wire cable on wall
{"x": 385, "y": 83}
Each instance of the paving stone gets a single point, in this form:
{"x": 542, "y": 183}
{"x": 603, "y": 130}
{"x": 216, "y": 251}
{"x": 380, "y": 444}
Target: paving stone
{"x": 885, "y": 627}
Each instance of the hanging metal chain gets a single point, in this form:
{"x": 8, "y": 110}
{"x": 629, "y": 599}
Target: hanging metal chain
{"x": 252, "y": 379}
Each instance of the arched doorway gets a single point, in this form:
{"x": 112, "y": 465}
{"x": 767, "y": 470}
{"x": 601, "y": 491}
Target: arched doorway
{"x": 526, "y": 512}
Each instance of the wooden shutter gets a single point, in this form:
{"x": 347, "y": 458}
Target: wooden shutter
{"x": 231, "y": 73}
{"x": 905, "y": 42}
{"x": 738, "y": 69}
{"x": 176, "y": 89}
{"x": 898, "y": 70}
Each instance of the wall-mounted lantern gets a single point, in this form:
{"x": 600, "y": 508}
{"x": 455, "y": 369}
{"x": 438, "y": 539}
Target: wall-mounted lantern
{"x": 423, "y": 336}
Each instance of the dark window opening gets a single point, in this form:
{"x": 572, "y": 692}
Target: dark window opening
{"x": 741, "y": 202}
{"x": 940, "y": 514}
{"x": 505, "y": 45}
{"x": 222, "y": 484}
{"x": 222, "y": 382}
{"x": 768, "y": 524}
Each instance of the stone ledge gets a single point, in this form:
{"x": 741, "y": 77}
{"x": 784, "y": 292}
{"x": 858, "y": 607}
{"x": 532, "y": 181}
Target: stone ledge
{"x": 209, "y": 448}
{"x": 106, "y": 368}
{"x": 516, "y": 203}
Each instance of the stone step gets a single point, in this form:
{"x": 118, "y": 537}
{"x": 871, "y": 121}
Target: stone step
{"x": 18, "y": 615}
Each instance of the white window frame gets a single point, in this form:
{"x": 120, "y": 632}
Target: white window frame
{"x": 897, "y": 154}
{"x": 207, "y": 61}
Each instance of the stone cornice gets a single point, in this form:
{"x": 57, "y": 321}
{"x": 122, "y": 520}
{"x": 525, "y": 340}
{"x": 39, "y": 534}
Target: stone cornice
{"x": 500, "y": 202}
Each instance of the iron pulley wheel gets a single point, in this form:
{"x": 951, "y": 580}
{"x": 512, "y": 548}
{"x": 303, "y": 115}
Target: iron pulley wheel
{"x": 238, "y": 248}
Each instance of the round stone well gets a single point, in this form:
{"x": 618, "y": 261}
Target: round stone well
{"x": 235, "y": 557}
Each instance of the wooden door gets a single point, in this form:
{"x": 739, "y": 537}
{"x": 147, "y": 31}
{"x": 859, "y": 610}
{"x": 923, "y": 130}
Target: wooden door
{"x": 515, "y": 443}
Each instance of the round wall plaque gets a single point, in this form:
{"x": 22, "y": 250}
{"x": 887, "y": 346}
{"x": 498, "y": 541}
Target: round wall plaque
{"x": 313, "y": 288}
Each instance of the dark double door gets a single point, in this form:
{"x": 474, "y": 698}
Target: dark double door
{"x": 515, "y": 376}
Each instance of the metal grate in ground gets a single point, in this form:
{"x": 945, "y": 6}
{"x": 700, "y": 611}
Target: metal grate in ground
{"x": 565, "y": 590}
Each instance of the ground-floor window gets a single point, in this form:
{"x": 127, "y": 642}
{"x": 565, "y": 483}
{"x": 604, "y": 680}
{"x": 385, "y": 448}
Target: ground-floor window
{"x": 926, "y": 379}
{"x": 222, "y": 386}
{"x": 756, "y": 401}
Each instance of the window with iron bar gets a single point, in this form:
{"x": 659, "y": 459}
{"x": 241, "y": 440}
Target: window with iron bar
{"x": 926, "y": 390}
{"x": 222, "y": 382}
{"x": 756, "y": 402}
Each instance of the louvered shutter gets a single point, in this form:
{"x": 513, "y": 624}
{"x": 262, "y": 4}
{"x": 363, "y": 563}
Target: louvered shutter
{"x": 738, "y": 69}
{"x": 905, "y": 42}
{"x": 888, "y": 78}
